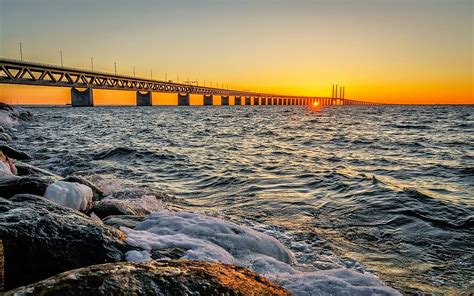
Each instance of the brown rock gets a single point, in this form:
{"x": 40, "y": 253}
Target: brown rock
{"x": 175, "y": 277}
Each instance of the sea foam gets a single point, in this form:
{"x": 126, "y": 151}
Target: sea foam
{"x": 211, "y": 239}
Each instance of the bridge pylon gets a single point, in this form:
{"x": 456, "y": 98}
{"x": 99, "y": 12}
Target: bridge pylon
{"x": 82, "y": 98}
{"x": 144, "y": 99}
{"x": 237, "y": 100}
{"x": 183, "y": 99}
{"x": 208, "y": 100}
{"x": 225, "y": 100}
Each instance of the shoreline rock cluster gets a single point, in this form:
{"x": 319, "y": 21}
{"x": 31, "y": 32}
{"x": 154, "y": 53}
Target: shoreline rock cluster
{"x": 60, "y": 236}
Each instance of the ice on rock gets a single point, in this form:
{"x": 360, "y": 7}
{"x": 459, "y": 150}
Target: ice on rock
{"x": 70, "y": 194}
{"x": 239, "y": 241}
{"x": 197, "y": 249}
{"x": 5, "y": 170}
{"x": 6, "y": 120}
{"x": 340, "y": 281}
{"x": 211, "y": 239}
{"x": 137, "y": 256}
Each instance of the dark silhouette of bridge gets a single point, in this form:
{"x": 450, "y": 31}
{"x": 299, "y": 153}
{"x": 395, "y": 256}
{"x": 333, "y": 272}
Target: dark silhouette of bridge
{"x": 83, "y": 82}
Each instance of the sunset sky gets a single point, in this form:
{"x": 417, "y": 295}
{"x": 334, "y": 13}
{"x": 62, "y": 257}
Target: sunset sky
{"x": 392, "y": 51}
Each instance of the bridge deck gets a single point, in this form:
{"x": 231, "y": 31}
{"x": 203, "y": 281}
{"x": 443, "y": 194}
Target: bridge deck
{"x": 31, "y": 73}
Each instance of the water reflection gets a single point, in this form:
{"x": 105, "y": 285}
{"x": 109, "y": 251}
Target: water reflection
{"x": 386, "y": 188}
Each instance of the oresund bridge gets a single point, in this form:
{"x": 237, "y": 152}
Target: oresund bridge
{"x": 83, "y": 82}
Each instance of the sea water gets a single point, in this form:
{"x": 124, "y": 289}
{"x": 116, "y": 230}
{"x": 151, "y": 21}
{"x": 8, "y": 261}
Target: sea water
{"x": 378, "y": 190}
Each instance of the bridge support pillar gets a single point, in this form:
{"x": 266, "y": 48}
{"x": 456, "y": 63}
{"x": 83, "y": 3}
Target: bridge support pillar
{"x": 183, "y": 99}
{"x": 83, "y": 98}
{"x": 225, "y": 100}
{"x": 247, "y": 101}
{"x": 238, "y": 100}
{"x": 144, "y": 99}
{"x": 207, "y": 100}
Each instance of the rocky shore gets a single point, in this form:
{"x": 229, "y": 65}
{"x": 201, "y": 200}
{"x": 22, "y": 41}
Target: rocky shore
{"x": 54, "y": 241}
{"x": 64, "y": 235}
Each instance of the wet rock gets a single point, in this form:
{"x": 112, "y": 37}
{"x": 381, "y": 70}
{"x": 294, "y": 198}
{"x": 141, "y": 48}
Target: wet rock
{"x": 123, "y": 220}
{"x": 16, "y": 185}
{"x": 166, "y": 254}
{"x": 109, "y": 207}
{"x": 42, "y": 239}
{"x": 5, "y": 137}
{"x": 25, "y": 115}
{"x": 98, "y": 193}
{"x": 5, "y": 107}
{"x": 14, "y": 153}
{"x": 178, "y": 277}
{"x": 25, "y": 169}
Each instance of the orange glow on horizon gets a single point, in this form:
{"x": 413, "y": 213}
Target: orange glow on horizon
{"x": 280, "y": 47}
{"x": 44, "y": 95}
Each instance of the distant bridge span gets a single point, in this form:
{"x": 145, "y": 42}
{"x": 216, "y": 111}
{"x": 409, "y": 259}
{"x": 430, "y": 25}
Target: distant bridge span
{"x": 31, "y": 73}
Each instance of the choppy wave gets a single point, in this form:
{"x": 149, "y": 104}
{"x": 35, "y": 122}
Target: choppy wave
{"x": 387, "y": 190}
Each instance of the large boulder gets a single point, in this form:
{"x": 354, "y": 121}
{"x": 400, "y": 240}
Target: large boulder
{"x": 16, "y": 185}
{"x": 14, "y": 153}
{"x": 41, "y": 239}
{"x": 177, "y": 277}
{"x": 72, "y": 195}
